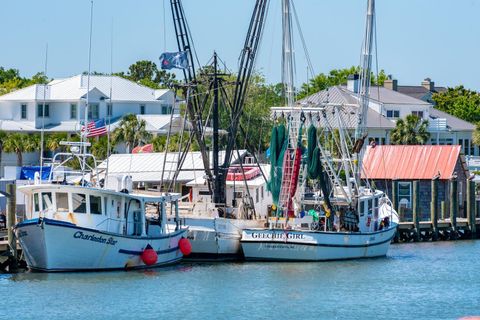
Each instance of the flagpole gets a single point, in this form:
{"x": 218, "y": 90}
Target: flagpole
{"x": 85, "y": 124}
{"x": 42, "y": 133}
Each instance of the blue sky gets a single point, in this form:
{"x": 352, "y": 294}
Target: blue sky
{"x": 416, "y": 38}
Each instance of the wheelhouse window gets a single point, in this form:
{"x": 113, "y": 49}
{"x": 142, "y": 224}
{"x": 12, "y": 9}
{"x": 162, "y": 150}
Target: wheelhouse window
{"x": 95, "y": 205}
{"x": 47, "y": 200}
{"x": 40, "y": 109}
{"x": 62, "y": 201}
{"x": 24, "y": 111}
{"x": 73, "y": 111}
{"x": 36, "y": 203}
{"x": 79, "y": 203}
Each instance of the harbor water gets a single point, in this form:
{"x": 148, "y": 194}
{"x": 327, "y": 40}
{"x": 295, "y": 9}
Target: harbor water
{"x": 415, "y": 281}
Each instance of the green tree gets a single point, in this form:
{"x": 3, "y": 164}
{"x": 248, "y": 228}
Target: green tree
{"x": 459, "y": 102}
{"x": 52, "y": 140}
{"x": 3, "y": 136}
{"x": 100, "y": 147}
{"x": 131, "y": 131}
{"x": 410, "y": 131}
{"x": 146, "y": 73}
{"x": 19, "y": 143}
{"x": 334, "y": 78}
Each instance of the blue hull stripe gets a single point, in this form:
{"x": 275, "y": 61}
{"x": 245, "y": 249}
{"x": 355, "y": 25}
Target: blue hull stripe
{"x": 138, "y": 253}
{"x": 323, "y": 244}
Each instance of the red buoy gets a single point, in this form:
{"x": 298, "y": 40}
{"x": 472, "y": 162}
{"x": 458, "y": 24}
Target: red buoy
{"x": 149, "y": 256}
{"x": 185, "y": 246}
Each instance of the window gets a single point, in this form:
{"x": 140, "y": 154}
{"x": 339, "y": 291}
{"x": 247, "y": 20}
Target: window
{"x": 73, "y": 111}
{"x": 257, "y": 195}
{"x": 262, "y": 191}
{"x": 405, "y": 194}
{"x": 24, "y": 111}
{"x": 238, "y": 194}
{"x": 62, "y": 201}
{"x": 47, "y": 200}
{"x": 93, "y": 111}
{"x": 466, "y": 147}
{"x": 36, "y": 204}
{"x": 40, "y": 110}
{"x": 142, "y": 109}
{"x": 204, "y": 193}
{"x": 393, "y": 114}
{"x": 418, "y": 114}
{"x": 109, "y": 109}
{"x": 95, "y": 205}
{"x": 79, "y": 203}
{"x": 166, "y": 109}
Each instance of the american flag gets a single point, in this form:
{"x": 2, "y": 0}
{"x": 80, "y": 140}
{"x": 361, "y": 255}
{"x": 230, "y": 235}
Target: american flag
{"x": 96, "y": 128}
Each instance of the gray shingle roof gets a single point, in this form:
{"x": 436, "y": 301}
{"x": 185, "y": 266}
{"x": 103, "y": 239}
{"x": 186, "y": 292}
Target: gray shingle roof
{"x": 453, "y": 122}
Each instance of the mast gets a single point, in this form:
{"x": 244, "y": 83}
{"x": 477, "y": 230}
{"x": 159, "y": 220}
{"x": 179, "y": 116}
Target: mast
{"x": 287, "y": 54}
{"x": 364, "y": 91}
{"x": 218, "y": 191}
{"x": 85, "y": 124}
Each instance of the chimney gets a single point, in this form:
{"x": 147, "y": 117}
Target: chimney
{"x": 353, "y": 84}
{"x": 428, "y": 84}
{"x": 391, "y": 83}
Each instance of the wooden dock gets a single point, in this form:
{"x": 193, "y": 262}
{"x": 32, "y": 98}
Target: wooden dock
{"x": 445, "y": 230}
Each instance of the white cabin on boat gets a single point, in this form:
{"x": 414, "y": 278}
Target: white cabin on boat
{"x": 237, "y": 191}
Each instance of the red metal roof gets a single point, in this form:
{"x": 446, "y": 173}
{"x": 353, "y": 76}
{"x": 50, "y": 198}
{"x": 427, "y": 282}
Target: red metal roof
{"x": 410, "y": 162}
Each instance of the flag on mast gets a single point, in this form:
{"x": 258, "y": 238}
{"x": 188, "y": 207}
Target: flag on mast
{"x": 95, "y": 128}
{"x": 170, "y": 60}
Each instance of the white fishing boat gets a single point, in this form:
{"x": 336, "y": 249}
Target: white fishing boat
{"x": 322, "y": 209}
{"x": 74, "y": 224}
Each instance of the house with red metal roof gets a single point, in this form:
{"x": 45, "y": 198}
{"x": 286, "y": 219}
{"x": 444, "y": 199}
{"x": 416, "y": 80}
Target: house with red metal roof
{"x": 402, "y": 164}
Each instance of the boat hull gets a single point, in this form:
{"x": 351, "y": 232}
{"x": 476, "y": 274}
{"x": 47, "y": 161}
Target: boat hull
{"x": 51, "y": 245}
{"x": 215, "y": 239}
{"x": 290, "y": 245}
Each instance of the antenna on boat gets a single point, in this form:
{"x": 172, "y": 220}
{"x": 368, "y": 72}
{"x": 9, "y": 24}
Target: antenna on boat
{"x": 42, "y": 133}
{"x": 110, "y": 106}
{"x": 85, "y": 124}
{"x": 364, "y": 91}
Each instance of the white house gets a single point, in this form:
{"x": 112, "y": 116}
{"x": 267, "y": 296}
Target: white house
{"x": 386, "y": 106}
{"x": 59, "y": 106}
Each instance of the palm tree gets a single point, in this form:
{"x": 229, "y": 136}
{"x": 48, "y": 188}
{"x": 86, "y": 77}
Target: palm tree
{"x": 409, "y": 131}
{"x": 100, "y": 146}
{"x": 131, "y": 131}
{"x": 52, "y": 141}
{"x": 19, "y": 143}
{"x": 476, "y": 135}
{"x": 3, "y": 136}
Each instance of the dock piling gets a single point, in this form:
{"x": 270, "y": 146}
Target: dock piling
{"x": 416, "y": 211}
{"x": 434, "y": 209}
{"x": 11, "y": 220}
{"x": 471, "y": 212}
{"x": 453, "y": 206}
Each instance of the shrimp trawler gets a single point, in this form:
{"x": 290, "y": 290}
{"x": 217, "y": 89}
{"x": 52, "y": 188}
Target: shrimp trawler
{"x": 75, "y": 224}
{"x": 322, "y": 209}
{"x": 215, "y": 225}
